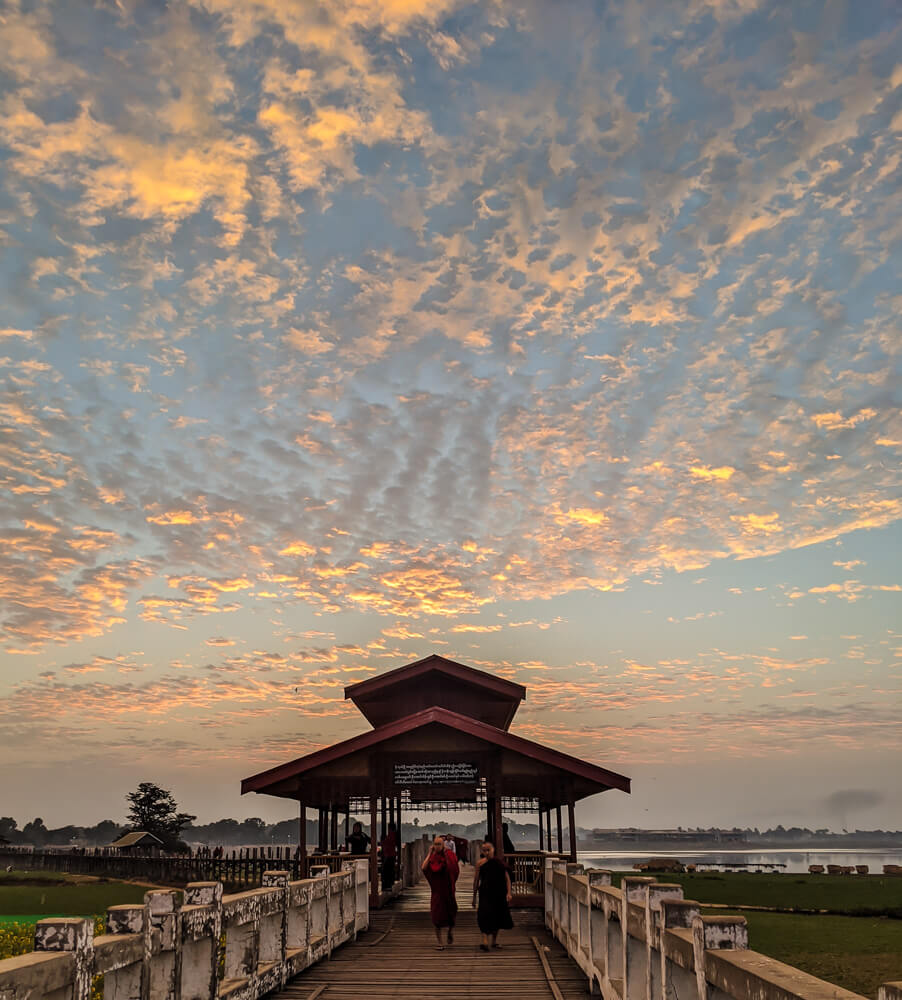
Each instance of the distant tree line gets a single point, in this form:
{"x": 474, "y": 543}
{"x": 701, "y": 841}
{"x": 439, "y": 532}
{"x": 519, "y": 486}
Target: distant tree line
{"x": 154, "y": 809}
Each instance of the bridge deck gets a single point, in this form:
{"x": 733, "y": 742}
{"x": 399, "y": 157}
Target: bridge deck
{"x": 397, "y": 958}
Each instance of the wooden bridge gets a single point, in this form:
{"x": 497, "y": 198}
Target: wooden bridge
{"x": 397, "y": 957}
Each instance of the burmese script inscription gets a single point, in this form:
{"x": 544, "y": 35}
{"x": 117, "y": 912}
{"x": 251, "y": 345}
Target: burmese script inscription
{"x": 436, "y": 773}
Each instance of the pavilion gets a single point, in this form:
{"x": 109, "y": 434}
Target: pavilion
{"x": 440, "y": 741}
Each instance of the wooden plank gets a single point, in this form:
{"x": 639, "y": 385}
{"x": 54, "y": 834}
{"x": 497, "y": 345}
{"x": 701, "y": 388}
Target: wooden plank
{"x": 406, "y": 965}
{"x": 549, "y": 975}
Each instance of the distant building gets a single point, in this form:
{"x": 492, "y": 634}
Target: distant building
{"x": 141, "y": 840}
{"x": 634, "y": 835}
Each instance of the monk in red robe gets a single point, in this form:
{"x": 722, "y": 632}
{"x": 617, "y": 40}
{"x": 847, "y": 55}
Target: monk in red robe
{"x": 441, "y": 870}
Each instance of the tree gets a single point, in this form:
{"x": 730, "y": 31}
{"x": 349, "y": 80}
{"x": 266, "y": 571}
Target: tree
{"x": 35, "y": 832}
{"x": 9, "y": 830}
{"x": 153, "y": 809}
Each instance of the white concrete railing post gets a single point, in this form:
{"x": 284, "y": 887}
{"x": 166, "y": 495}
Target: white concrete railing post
{"x": 549, "y": 894}
{"x": 711, "y": 933}
{"x": 571, "y": 903}
{"x": 655, "y": 895}
{"x": 165, "y": 950}
{"x": 123, "y": 968}
{"x": 162, "y": 945}
{"x": 598, "y": 929}
{"x": 74, "y": 935}
{"x": 633, "y": 893}
{"x": 201, "y": 929}
{"x": 559, "y": 905}
{"x": 273, "y": 946}
{"x": 675, "y": 913}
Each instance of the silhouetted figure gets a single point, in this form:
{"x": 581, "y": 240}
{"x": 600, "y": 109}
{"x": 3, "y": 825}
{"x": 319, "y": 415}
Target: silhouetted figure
{"x": 492, "y": 885}
{"x": 358, "y": 841}
{"x": 389, "y": 847}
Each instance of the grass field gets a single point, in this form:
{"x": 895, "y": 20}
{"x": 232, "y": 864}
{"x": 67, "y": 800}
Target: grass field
{"x": 67, "y": 900}
{"x": 876, "y": 895}
{"x": 857, "y": 953}
{"x": 26, "y": 897}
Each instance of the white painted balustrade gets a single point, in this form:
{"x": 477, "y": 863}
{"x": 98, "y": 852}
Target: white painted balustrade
{"x": 643, "y": 941}
{"x": 239, "y": 946}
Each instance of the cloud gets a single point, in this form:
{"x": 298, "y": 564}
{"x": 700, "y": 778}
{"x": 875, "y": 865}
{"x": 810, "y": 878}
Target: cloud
{"x": 388, "y": 312}
{"x": 846, "y": 800}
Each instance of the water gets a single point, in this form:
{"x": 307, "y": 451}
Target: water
{"x": 794, "y": 860}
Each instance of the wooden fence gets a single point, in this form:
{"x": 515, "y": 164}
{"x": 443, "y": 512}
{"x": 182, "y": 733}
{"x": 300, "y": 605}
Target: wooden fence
{"x": 236, "y": 869}
{"x": 212, "y": 945}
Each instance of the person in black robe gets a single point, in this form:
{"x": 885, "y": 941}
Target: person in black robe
{"x": 492, "y": 886}
{"x": 358, "y": 841}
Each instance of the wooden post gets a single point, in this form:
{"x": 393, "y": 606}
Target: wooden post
{"x": 541, "y": 831}
{"x": 384, "y": 817}
{"x": 571, "y": 819}
{"x": 548, "y": 830}
{"x": 560, "y": 832}
{"x": 490, "y": 818}
{"x": 321, "y": 831}
{"x": 399, "y": 874}
{"x": 347, "y": 821}
{"x": 374, "y": 860}
{"x": 499, "y": 833}
{"x": 333, "y": 828}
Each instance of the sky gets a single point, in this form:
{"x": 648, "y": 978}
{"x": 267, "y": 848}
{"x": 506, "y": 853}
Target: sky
{"x": 561, "y": 339}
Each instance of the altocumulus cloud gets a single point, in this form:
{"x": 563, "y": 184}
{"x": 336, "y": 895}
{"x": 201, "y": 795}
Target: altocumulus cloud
{"x": 414, "y": 310}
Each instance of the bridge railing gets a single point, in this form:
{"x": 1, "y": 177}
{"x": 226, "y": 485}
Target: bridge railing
{"x": 211, "y": 945}
{"x": 645, "y": 941}
{"x": 527, "y": 870}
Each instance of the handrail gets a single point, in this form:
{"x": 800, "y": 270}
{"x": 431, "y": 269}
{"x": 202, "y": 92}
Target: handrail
{"x": 645, "y": 939}
{"x": 203, "y": 947}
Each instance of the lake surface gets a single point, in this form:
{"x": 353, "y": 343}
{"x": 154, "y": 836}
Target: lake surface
{"x": 794, "y": 860}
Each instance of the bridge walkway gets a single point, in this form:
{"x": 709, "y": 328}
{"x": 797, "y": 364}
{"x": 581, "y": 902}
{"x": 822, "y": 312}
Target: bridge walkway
{"x": 397, "y": 958}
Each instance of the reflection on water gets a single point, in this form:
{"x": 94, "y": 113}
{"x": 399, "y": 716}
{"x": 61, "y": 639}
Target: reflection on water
{"x": 790, "y": 861}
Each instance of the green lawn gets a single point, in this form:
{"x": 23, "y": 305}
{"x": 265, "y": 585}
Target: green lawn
{"x": 67, "y": 900}
{"x": 857, "y": 953}
{"x": 876, "y": 895}
{"x": 26, "y": 897}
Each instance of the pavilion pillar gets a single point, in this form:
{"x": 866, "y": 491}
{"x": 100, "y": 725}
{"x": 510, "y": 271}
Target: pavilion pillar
{"x": 490, "y": 818}
{"x": 560, "y": 831}
{"x": 548, "y": 846}
{"x": 347, "y": 821}
{"x": 374, "y": 858}
{"x": 499, "y": 832}
{"x": 321, "y": 830}
{"x": 384, "y": 817}
{"x": 333, "y": 828}
{"x": 396, "y": 815}
{"x": 571, "y": 819}
{"x": 541, "y": 831}
{"x": 302, "y": 839}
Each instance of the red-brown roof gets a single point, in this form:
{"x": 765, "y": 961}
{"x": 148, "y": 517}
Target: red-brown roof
{"x": 436, "y": 680}
{"x": 529, "y": 764}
